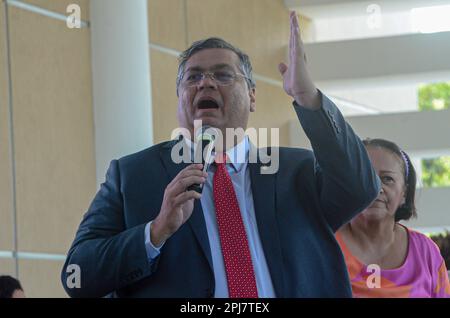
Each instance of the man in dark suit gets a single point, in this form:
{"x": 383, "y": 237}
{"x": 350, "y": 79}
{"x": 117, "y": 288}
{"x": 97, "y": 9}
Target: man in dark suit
{"x": 249, "y": 234}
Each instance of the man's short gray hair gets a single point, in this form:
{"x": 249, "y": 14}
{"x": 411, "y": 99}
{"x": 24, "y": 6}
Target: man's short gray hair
{"x": 216, "y": 43}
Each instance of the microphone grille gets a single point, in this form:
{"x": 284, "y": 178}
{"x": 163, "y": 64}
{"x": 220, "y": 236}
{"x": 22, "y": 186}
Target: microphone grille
{"x": 206, "y": 133}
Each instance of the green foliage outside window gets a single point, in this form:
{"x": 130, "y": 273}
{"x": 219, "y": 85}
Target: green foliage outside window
{"x": 435, "y": 172}
{"x": 434, "y": 96}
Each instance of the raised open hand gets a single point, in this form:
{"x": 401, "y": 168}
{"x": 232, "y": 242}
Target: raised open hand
{"x": 296, "y": 79}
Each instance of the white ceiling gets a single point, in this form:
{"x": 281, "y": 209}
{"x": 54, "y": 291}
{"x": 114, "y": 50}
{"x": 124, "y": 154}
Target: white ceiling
{"x": 319, "y": 9}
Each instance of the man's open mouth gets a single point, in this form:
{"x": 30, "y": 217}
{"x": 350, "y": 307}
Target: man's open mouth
{"x": 207, "y": 104}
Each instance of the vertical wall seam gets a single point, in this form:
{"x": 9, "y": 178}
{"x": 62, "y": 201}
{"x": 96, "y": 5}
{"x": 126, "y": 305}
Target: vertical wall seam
{"x": 186, "y": 26}
{"x": 147, "y": 21}
{"x": 11, "y": 140}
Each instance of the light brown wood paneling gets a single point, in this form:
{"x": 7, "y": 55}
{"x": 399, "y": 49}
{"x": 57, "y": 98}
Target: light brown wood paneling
{"x": 6, "y": 220}
{"x": 41, "y": 278}
{"x": 259, "y": 27}
{"x": 167, "y": 23}
{"x": 53, "y": 128}
{"x": 273, "y": 110}
{"x": 164, "y": 98}
{"x": 60, "y": 6}
{"x": 7, "y": 267}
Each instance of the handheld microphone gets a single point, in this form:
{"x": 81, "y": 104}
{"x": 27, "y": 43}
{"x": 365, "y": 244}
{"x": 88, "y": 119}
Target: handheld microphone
{"x": 205, "y": 144}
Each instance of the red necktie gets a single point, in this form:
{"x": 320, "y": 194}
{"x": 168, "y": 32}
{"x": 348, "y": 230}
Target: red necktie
{"x": 233, "y": 239}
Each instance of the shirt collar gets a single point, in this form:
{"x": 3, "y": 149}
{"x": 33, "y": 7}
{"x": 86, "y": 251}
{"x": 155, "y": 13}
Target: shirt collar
{"x": 237, "y": 156}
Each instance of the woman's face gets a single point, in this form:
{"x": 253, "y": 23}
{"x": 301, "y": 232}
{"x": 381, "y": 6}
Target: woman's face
{"x": 389, "y": 168}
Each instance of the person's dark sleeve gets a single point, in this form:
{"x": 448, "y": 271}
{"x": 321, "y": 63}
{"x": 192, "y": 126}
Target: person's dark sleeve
{"x": 110, "y": 257}
{"x": 347, "y": 183}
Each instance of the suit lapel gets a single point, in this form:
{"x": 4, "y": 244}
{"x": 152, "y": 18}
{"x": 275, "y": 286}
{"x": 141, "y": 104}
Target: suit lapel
{"x": 264, "y": 191}
{"x": 197, "y": 220}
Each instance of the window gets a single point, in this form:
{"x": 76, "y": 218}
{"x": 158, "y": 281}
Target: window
{"x": 435, "y": 171}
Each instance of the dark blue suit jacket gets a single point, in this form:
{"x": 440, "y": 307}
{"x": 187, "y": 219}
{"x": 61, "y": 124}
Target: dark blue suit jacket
{"x": 298, "y": 210}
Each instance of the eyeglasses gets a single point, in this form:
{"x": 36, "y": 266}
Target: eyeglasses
{"x": 222, "y": 77}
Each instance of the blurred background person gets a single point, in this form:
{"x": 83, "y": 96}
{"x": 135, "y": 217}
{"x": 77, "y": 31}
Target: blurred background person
{"x": 10, "y": 287}
{"x": 384, "y": 258}
{"x": 442, "y": 240}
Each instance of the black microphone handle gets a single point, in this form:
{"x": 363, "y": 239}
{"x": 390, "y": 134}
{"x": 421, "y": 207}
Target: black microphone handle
{"x": 196, "y": 187}
{"x": 202, "y": 145}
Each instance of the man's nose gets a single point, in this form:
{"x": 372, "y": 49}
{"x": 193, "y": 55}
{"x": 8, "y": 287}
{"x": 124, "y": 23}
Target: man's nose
{"x": 207, "y": 82}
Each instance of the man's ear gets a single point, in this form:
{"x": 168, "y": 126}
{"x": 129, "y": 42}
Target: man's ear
{"x": 252, "y": 95}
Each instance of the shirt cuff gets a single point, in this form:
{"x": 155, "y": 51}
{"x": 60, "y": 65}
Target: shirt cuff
{"x": 152, "y": 251}
{"x": 321, "y": 96}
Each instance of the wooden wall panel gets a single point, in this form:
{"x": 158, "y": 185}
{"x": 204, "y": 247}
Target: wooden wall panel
{"x": 41, "y": 278}
{"x": 53, "y": 127}
{"x": 60, "y": 6}
{"x": 7, "y": 267}
{"x": 163, "y": 73}
{"x": 273, "y": 110}
{"x": 167, "y": 23}
{"x": 259, "y": 27}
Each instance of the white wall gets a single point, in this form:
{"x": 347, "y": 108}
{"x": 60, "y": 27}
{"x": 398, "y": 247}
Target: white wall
{"x": 374, "y": 62}
{"x": 433, "y": 209}
{"x": 419, "y": 134}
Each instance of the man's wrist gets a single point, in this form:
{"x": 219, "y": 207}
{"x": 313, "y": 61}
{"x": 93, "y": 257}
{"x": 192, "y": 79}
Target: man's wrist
{"x": 157, "y": 236}
{"x": 310, "y": 100}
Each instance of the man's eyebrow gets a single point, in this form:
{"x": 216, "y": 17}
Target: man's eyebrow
{"x": 214, "y": 67}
